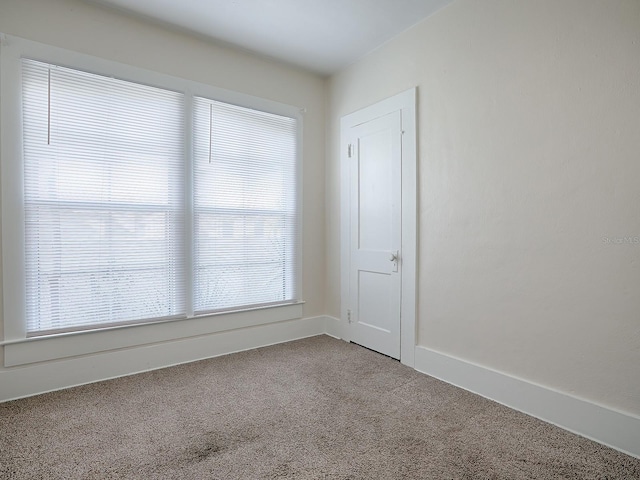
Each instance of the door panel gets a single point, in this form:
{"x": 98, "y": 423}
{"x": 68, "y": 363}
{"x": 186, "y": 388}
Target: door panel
{"x": 375, "y": 193}
{"x": 375, "y": 196}
{"x": 374, "y": 311}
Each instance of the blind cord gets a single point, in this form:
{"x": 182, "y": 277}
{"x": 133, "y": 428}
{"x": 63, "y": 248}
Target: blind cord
{"x": 210, "y": 130}
{"x": 49, "y": 107}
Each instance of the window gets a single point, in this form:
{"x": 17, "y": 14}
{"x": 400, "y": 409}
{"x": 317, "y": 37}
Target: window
{"x": 103, "y": 199}
{"x": 141, "y": 203}
{"x": 244, "y": 206}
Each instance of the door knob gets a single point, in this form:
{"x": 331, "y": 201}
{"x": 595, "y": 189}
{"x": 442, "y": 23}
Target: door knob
{"x": 393, "y": 256}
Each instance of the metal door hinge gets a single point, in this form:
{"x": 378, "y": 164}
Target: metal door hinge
{"x": 350, "y": 150}
{"x": 349, "y": 316}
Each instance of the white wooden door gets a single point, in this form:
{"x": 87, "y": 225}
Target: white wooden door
{"x": 375, "y": 156}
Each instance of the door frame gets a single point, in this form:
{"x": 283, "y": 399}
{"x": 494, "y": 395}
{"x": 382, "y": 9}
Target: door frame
{"x": 406, "y": 103}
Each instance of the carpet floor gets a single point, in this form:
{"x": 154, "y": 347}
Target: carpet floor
{"x": 317, "y": 408}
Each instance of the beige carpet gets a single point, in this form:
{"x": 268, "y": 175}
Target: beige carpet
{"x": 317, "y": 408}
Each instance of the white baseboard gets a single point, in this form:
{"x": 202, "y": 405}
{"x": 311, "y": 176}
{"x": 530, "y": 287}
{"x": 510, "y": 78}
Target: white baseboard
{"x": 604, "y": 425}
{"x": 33, "y": 379}
{"x": 334, "y": 327}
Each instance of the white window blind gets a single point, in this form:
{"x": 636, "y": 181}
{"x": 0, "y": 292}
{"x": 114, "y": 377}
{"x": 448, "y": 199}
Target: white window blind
{"x": 245, "y": 208}
{"x": 103, "y": 200}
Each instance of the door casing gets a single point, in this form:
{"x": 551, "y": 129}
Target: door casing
{"x": 404, "y": 102}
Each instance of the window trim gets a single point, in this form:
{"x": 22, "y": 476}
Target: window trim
{"x": 12, "y": 49}
{"x": 83, "y": 342}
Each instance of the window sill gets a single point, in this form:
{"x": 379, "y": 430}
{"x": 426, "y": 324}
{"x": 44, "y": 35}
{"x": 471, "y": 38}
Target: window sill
{"x": 64, "y": 345}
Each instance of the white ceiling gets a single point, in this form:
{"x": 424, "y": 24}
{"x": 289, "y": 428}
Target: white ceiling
{"x": 319, "y": 35}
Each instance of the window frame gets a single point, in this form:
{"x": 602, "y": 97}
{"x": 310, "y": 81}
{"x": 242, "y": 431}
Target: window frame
{"x": 202, "y": 211}
{"x": 66, "y": 144}
{"x": 20, "y": 349}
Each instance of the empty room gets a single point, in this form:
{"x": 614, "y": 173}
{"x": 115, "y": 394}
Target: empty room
{"x": 320, "y": 239}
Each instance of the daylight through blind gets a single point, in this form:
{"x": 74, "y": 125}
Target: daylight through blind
{"x": 245, "y": 213}
{"x": 104, "y": 195}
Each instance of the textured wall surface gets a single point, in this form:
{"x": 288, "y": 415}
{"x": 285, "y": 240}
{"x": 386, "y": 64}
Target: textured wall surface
{"x": 529, "y": 166}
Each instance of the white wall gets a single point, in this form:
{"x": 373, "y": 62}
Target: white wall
{"x": 529, "y": 156}
{"x": 91, "y": 29}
